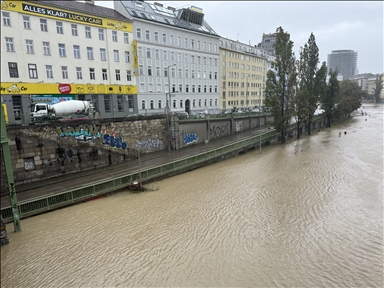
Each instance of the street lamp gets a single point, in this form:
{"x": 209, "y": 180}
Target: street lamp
{"x": 260, "y": 116}
{"x": 168, "y": 97}
{"x": 246, "y": 92}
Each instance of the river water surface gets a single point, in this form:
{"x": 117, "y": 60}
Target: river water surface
{"x": 276, "y": 219}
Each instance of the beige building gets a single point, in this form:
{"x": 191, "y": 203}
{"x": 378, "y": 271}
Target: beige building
{"x": 243, "y": 71}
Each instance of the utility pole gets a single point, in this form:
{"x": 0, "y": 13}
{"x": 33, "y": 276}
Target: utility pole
{"x": 9, "y": 172}
{"x": 168, "y": 98}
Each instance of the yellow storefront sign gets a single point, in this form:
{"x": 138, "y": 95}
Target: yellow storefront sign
{"x": 64, "y": 88}
{"x": 62, "y": 14}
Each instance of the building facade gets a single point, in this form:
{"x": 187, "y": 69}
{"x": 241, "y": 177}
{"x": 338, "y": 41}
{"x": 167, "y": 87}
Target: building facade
{"x": 344, "y": 61}
{"x": 243, "y": 71}
{"x": 55, "y": 51}
{"x": 176, "y": 54}
{"x": 267, "y": 42}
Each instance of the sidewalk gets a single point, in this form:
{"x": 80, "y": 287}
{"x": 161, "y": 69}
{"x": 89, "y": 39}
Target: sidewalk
{"x": 67, "y": 182}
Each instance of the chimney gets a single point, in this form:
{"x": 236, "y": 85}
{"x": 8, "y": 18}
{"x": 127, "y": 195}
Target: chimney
{"x": 158, "y": 4}
{"x": 92, "y": 2}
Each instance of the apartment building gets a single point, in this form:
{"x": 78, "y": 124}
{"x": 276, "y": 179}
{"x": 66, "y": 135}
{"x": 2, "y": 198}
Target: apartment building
{"x": 61, "y": 50}
{"x": 176, "y": 54}
{"x": 243, "y": 71}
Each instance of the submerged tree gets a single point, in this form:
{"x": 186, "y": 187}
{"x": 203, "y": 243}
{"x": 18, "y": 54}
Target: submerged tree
{"x": 330, "y": 98}
{"x": 349, "y": 97}
{"x": 378, "y": 88}
{"x": 280, "y": 87}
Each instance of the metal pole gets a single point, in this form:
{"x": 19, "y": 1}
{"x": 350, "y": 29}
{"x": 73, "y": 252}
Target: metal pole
{"x": 260, "y": 118}
{"x": 168, "y": 97}
{"x": 9, "y": 172}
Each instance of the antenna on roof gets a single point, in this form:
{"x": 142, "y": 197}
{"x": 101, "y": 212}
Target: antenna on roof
{"x": 237, "y": 37}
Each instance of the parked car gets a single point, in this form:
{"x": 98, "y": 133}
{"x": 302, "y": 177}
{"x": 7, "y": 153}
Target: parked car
{"x": 201, "y": 115}
{"x": 182, "y": 114}
{"x": 75, "y": 117}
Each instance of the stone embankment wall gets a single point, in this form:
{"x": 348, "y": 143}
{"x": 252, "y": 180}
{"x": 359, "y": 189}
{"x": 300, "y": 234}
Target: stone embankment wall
{"x": 43, "y": 151}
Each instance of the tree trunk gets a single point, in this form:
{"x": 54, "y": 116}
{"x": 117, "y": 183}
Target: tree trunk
{"x": 298, "y": 129}
{"x": 328, "y": 125}
{"x": 283, "y": 136}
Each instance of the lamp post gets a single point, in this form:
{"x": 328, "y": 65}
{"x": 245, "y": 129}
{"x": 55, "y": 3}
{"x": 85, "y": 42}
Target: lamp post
{"x": 246, "y": 91}
{"x": 260, "y": 116}
{"x": 168, "y": 97}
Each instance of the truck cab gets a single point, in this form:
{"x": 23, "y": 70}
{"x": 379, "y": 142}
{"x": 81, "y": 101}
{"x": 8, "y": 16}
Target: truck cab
{"x": 39, "y": 111}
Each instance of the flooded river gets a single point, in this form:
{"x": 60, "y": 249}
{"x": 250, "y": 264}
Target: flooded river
{"x": 276, "y": 219}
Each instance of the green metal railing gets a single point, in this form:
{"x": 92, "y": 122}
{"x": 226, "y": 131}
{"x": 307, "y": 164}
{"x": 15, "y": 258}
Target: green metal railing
{"x": 50, "y": 202}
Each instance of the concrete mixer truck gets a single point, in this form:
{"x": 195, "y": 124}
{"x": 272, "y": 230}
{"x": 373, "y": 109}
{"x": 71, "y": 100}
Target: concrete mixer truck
{"x": 44, "y": 111}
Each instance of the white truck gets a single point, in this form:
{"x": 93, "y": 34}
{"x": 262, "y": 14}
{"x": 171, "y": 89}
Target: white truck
{"x": 44, "y": 111}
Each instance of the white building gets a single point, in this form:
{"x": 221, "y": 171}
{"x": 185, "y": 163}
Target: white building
{"x": 175, "y": 48}
{"x": 60, "y": 50}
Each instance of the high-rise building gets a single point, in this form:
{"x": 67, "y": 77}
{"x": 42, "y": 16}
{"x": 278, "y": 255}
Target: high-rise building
{"x": 267, "y": 42}
{"x": 344, "y": 61}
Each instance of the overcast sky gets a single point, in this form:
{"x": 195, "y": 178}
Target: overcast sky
{"x": 337, "y": 25}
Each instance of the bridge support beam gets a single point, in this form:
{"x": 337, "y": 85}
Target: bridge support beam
{"x": 9, "y": 171}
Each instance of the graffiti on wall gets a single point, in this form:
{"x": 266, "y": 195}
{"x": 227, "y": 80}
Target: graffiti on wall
{"x": 150, "y": 145}
{"x": 216, "y": 131}
{"x": 190, "y": 138}
{"x": 114, "y": 142}
{"x": 239, "y": 126}
{"x": 81, "y": 131}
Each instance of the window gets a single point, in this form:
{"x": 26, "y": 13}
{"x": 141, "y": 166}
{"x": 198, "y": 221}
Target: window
{"x": 114, "y": 36}
{"x": 48, "y": 69}
{"x": 107, "y": 103}
{"x": 159, "y": 103}
{"x": 165, "y": 53}
{"x": 187, "y": 88}
{"x": 62, "y": 50}
{"x": 141, "y": 70}
{"x": 180, "y": 73}
{"x": 164, "y": 38}
{"x": 13, "y": 71}
{"x": 127, "y": 58}
{"x": 199, "y": 88}
{"x": 76, "y": 51}
{"x": 101, "y": 34}
{"x": 148, "y": 52}
{"x": 186, "y": 73}
{"x": 92, "y": 75}
{"x": 116, "y": 55}
{"x": 178, "y": 41}
{"x": 88, "y": 32}
{"x": 157, "y": 54}
{"x": 104, "y": 74}
{"x": 90, "y": 53}
{"x": 143, "y": 104}
{"x": 140, "y": 51}
{"x": 59, "y": 27}
{"x": 181, "y": 101}
{"x": 64, "y": 72}
{"x": 32, "y": 68}
{"x": 129, "y": 75}
{"x": 165, "y": 72}
{"x": 156, "y": 36}
{"x": 170, "y": 39}
{"x": 103, "y": 55}
{"x": 29, "y": 46}
{"x": 158, "y": 73}
{"x": 120, "y": 107}
{"x": 172, "y": 56}
{"x": 79, "y": 73}
{"x": 147, "y": 36}
{"x": 210, "y": 48}
{"x": 117, "y": 72}
{"x": 205, "y": 46}
{"x": 126, "y": 39}
{"x": 6, "y": 19}
{"x": 138, "y": 33}
{"x": 149, "y": 70}
{"x": 179, "y": 57}
{"x": 26, "y": 23}
{"x": 198, "y": 44}
{"x": 192, "y": 43}
{"x": 74, "y": 29}
{"x": 43, "y": 25}
{"x": 186, "y": 42}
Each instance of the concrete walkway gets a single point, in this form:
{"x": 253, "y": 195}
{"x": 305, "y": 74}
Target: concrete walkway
{"x": 67, "y": 182}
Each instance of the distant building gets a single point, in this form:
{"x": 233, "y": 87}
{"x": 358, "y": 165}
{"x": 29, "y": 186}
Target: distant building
{"x": 243, "y": 71}
{"x": 363, "y": 80}
{"x": 344, "y": 61}
{"x": 267, "y": 42}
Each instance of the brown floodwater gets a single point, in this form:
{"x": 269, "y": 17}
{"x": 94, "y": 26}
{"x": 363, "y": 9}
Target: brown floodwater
{"x": 276, "y": 219}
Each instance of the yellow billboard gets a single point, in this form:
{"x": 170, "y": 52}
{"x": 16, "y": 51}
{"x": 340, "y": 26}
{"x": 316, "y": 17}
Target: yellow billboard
{"x": 64, "y": 88}
{"x": 37, "y": 9}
